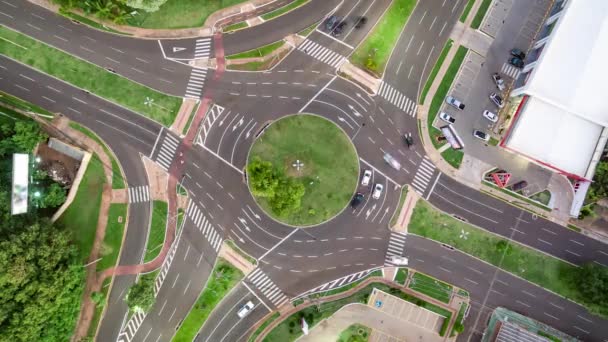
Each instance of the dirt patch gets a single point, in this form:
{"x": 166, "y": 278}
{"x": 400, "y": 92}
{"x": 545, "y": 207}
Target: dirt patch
{"x": 58, "y": 166}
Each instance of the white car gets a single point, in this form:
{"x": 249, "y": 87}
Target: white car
{"x": 398, "y": 260}
{"x": 490, "y": 116}
{"x": 377, "y": 191}
{"x": 367, "y": 175}
{"x": 245, "y": 309}
{"x": 500, "y": 83}
{"x": 392, "y": 162}
{"x": 446, "y": 117}
{"x": 454, "y": 102}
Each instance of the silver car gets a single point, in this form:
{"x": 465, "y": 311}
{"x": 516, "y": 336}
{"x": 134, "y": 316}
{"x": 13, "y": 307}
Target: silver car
{"x": 392, "y": 161}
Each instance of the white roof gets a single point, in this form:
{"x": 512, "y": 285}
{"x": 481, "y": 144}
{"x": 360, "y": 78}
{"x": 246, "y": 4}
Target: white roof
{"x": 555, "y": 137}
{"x": 572, "y": 71}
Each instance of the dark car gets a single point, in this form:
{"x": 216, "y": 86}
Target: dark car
{"x": 516, "y": 62}
{"x": 361, "y": 21}
{"x": 409, "y": 141}
{"x": 518, "y": 53}
{"x": 331, "y": 22}
{"x": 339, "y": 29}
{"x": 358, "y": 199}
{"x": 497, "y": 100}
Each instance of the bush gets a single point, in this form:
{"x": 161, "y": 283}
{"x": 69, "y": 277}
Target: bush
{"x": 141, "y": 295}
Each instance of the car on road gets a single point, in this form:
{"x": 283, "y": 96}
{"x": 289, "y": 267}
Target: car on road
{"x": 332, "y": 22}
{"x": 446, "y": 117}
{"x": 500, "y": 83}
{"x": 481, "y": 135}
{"x": 490, "y": 116}
{"x": 357, "y": 199}
{"x": 245, "y": 309}
{"x": 361, "y": 21}
{"x": 516, "y": 62}
{"x": 497, "y": 100}
{"x": 367, "y": 175}
{"x": 377, "y": 190}
{"x": 398, "y": 260}
{"x": 518, "y": 53}
{"x": 409, "y": 141}
{"x": 337, "y": 32}
{"x": 392, "y": 162}
{"x": 452, "y": 101}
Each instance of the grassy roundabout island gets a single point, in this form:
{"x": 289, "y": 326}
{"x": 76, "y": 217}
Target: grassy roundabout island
{"x": 303, "y": 170}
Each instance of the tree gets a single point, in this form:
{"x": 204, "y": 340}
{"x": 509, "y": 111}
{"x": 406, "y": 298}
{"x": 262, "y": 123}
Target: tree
{"x": 146, "y": 5}
{"x": 592, "y": 283}
{"x": 53, "y": 197}
{"x": 263, "y": 178}
{"x": 140, "y": 297}
{"x": 98, "y": 298}
{"x": 599, "y": 187}
{"x": 27, "y": 136}
{"x": 288, "y": 197}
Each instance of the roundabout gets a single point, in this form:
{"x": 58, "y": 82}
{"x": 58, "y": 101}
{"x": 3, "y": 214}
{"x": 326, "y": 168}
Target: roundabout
{"x": 303, "y": 170}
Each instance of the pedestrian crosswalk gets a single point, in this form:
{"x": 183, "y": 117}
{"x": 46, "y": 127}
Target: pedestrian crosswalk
{"x": 167, "y": 151}
{"x": 203, "y": 48}
{"x": 138, "y": 194}
{"x": 395, "y": 97}
{"x": 132, "y": 325}
{"x": 210, "y": 117}
{"x": 423, "y": 175}
{"x": 510, "y": 70}
{"x": 196, "y": 82}
{"x": 322, "y": 53}
{"x": 351, "y": 278}
{"x": 267, "y": 287}
{"x": 204, "y": 226}
{"x": 395, "y": 247}
{"x": 164, "y": 269}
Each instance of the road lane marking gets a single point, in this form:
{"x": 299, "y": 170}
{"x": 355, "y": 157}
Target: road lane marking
{"x": 577, "y": 242}
{"x": 555, "y": 318}
{"x": 557, "y": 306}
{"x": 462, "y": 208}
{"x": 472, "y": 281}
{"x": 522, "y": 303}
{"x": 571, "y": 252}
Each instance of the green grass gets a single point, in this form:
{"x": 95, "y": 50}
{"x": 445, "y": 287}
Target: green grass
{"x": 251, "y": 66}
{"x": 401, "y": 276}
{"x": 431, "y": 287}
{"x": 493, "y": 141}
{"x": 88, "y": 22}
{"x": 375, "y": 50}
{"x": 355, "y": 333}
{"x": 549, "y": 336}
{"x": 444, "y": 87}
{"x": 575, "y": 228}
{"x": 459, "y": 323}
{"x": 241, "y": 252}
{"x": 434, "y": 133}
{"x": 543, "y": 197}
{"x": 398, "y": 210}
{"x": 23, "y": 105}
{"x": 464, "y": 293}
{"x": 190, "y": 118}
{"x": 117, "y": 180}
{"x": 518, "y": 196}
{"x": 88, "y": 76}
{"x": 181, "y": 190}
{"x": 331, "y": 168}
{"x": 259, "y": 52}
{"x": 82, "y": 214}
{"x": 433, "y": 74}
{"x": 453, "y": 157}
{"x": 212, "y": 294}
{"x": 158, "y": 227}
{"x": 235, "y": 26}
{"x": 534, "y": 266}
{"x": 175, "y": 14}
{"x": 113, "y": 238}
{"x": 263, "y": 326}
{"x": 99, "y": 310}
{"x": 305, "y": 32}
{"x": 282, "y": 10}
{"x": 481, "y": 12}
{"x": 466, "y": 11}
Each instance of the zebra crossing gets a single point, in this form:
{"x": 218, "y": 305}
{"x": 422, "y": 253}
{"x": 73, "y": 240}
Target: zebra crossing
{"x": 423, "y": 175}
{"x": 395, "y": 97}
{"x": 203, "y": 48}
{"x": 351, "y": 278}
{"x": 204, "y": 226}
{"x": 167, "y": 151}
{"x": 164, "y": 269}
{"x": 214, "y": 112}
{"x": 196, "y": 82}
{"x": 132, "y": 325}
{"x": 138, "y": 194}
{"x": 267, "y": 287}
{"x": 322, "y": 53}
{"x": 510, "y": 70}
{"x": 395, "y": 247}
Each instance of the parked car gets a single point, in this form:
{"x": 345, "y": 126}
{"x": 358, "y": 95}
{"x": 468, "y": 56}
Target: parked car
{"x": 518, "y": 186}
{"x": 398, "y": 260}
{"x": 409, "y": 141}
{"x": 361, "y": 21}
{"x": 500, "y": 83}
{"x": 245, "y": 309}
{"x": 518, "y": 53}
{"x": 490, "y": 116}
{"x": 481, "y": 135}
{"x": 367, "y": 175}
{"x": 357, "y": 199}
{"x": 377, "y": 191}
{"x": 392, "y": 162}
{"x": 452, "y": 101}
{"x": 332, "y": 22}
{"x": 516, "y": 62}
{"x": 337, "y": 32}
{"x": 446, "y": 117}
{"x": 497, "y": 100}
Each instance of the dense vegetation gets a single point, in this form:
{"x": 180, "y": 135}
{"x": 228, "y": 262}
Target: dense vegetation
{"x": 118, "y": 11}
{"x": 41, "y": 280}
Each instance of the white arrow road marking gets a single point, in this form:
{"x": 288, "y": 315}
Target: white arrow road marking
{"x": 244, "y": 222}
{"x": 178, "y": 49}
{"x": 341, "y": 119}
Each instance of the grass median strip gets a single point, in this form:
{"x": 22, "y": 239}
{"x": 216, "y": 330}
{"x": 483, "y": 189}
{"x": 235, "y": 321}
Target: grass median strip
{"x": 158, "y": 227}
{"x": 88, "y": 76}
{"x": 453, "y": 157}
{"x": 466, "y": 11}
{"x": 374, "y": 52}
{"x": 481, "y": 13}
{"x": 435, "y": 70}
{"x": 222, "y": 279}
{"x": 527, "y": 263}
{"x": 431, "y": 287}
{"x": 235, "y": 26}
{"x": 259, "y": 52}
{"x": 117, "y": 218}
{"x": 401, "y": 276}
{"x": 18, "y": 103}
{"x": 263, "y": 326}
{"x": 399, "y": 207}
{"x": 282, "y": 10}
